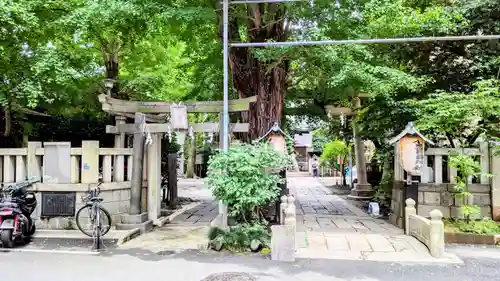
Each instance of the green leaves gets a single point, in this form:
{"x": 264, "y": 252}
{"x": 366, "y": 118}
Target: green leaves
{"x": 466, "y": 167}
{"x": 463, "y": 116}
{"x": 246, "y": 177}
{"x": 333, "y": 151}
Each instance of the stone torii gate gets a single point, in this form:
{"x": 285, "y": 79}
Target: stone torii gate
{"x": 363, "y": 190}
{"x": 157, "y": 112}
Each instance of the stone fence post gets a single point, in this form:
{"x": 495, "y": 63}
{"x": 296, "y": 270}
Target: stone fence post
{"x": 283, "y": 244}
{"x": 283, "y": 207}
{"x": 436, "y": 232}
{"x": 409, "y": 210}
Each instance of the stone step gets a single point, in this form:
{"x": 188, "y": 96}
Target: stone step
{"x": 143, "y": 227}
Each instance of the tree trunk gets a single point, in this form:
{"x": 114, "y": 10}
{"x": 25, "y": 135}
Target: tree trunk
{"x": 8, "y": 120}
{"x": 250, "y": 76}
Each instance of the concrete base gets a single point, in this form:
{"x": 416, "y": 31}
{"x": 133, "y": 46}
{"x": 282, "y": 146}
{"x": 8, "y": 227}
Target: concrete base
{"x": 218, "y": 223}
{"x": 139, "y": 221}
{"x": 143, "y": 227}
{"x": 362, "y": 192}
{"x": 131, "y": 219}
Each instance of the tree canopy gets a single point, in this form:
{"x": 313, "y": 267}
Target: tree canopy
{"x": 57, "y": 53}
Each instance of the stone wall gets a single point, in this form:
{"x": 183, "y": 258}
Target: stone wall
{"x": 116, "y": 201}
{"x": 440, "y": 197}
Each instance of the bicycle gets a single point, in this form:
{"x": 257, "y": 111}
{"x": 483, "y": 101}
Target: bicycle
{"x": 93, "y": 202}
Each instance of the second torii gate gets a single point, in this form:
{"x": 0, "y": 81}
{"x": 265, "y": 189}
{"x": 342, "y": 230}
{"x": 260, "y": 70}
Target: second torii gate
{"x": 363, "y": 190}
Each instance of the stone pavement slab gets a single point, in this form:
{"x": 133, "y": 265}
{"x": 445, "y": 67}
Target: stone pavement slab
{"x": 330, "y": 227}
{"x": 359, "y": 246}
{"x": 200, "y": 215}
{"x": 179, "y": 237}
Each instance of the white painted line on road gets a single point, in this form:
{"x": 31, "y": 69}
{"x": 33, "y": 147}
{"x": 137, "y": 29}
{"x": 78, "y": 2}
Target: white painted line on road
{"x": 48, "y": 251}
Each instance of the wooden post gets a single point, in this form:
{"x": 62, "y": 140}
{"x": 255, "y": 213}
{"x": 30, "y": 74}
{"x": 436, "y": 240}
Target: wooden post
{"x": 138, "y": 156}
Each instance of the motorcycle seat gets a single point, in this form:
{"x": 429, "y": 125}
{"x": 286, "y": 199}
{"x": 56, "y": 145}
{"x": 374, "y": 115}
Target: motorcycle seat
{"x": 9, "y": 205}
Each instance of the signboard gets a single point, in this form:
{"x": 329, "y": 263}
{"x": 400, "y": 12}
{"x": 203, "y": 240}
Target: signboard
{"x": 412, "y": 154}
{"x": 178, "y": 117}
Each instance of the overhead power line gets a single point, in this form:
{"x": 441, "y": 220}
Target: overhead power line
{"x": 367, "y": 41}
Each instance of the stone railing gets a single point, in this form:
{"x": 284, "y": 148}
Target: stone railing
{"x": 283, "y": 244}
{"x": 436, "y": 170}
{"x": 437, "y": 187}
{"x": 428, "y": 231}
{"x": 62, "y": 163}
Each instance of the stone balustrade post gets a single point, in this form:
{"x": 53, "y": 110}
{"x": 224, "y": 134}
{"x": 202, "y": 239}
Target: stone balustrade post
{"x": 283, "y": 207}
{"x": 436, "y": 232}
{"x": 89, "y": 161}
{"x": 290, "y": 211}
{"x": 409, "y": 210}
{"x": 33, "y": 162}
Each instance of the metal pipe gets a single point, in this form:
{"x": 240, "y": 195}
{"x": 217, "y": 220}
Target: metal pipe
{"x": 263, "y": 1}
{"x": 225, "y": 114}
{"x": 366, "y": 41}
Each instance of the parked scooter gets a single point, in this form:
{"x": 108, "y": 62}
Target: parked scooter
{"x": 16, "y": 206}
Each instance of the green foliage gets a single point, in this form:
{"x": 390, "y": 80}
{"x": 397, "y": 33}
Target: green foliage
{"x": 480, "y": 227}
{"x": 332, "y": 151}
{"x": 239, "y": 237}
{"x": 319, "y": 139}
{"x": 383, "y": 191}
{"x": 463, "y": 116}
{"x": 466, "y": 167}
{"x": 245, "y": 177}
{"x": 335, "y": 155}
{"x": 486, "y": 226}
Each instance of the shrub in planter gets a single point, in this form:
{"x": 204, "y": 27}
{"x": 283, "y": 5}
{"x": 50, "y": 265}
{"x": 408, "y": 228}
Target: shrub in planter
{"x": 246, "y": 179}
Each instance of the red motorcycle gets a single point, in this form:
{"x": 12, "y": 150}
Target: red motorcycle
{"x": 16, "y": 206}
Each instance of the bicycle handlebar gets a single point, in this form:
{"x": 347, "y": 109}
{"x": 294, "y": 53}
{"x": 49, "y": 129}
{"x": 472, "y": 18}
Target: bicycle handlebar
{"x": 92, "y": 192}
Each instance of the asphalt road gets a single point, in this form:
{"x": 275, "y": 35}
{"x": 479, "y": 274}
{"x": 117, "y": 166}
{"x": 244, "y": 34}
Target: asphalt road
{"x": 136, "y": 264}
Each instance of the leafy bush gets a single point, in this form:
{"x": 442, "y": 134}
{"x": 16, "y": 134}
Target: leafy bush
{"x": 466, "y": 167}
{"x": 486, "y": 226}
{"x": 480, "y": 227}
{"x": 246, "y": 177}
{"x": 240, "y": 237}
{"x": 333, "y": 152}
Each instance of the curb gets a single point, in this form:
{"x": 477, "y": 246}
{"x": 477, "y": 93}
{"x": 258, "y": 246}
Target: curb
{"x": 131, "y": 234}
{"x": 165, "y": 220}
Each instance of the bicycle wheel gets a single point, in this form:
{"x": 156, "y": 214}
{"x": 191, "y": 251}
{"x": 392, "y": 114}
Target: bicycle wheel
{"x": 85, "y": 220}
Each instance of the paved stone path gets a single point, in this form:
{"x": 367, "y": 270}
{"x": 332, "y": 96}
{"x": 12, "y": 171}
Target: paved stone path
{"x": 329, "y": 227}
{"x": 200, "y": 215}
{"x": 186, "y": 231}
